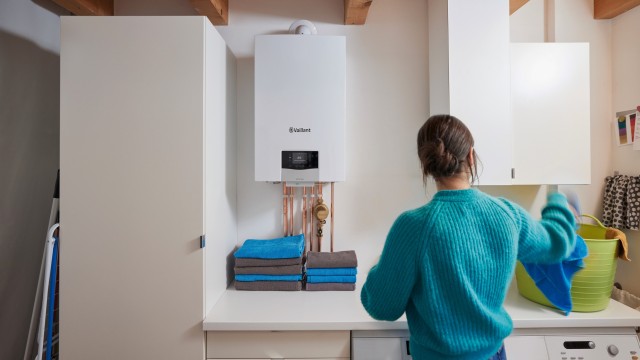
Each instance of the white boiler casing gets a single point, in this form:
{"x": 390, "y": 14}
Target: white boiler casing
{"x": 300, "y": 108}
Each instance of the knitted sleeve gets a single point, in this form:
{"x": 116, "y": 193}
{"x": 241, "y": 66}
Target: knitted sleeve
{"x": 549, "y": 240}
{"x": 389, "y": 284}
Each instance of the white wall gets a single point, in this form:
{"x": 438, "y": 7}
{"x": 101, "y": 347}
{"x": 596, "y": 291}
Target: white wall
{"x": 29, "y": 130}
{"x": 25, "y": 19}
{"x": 387, "y": 101}
{"x": 615, "y": 79}
{"x": 574, "y": 23}
{"x": 626, "y": 96}
{"x": 528, "y": 23}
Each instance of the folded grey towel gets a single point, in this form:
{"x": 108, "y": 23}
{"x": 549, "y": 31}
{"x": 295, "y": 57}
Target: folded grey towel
{"x": 270, "y": 270}
{"x": 339, "y": 259}
{"x": 331, "y": 287}
{"x": 269, "y": 285}
{"x": 250, "y": 262}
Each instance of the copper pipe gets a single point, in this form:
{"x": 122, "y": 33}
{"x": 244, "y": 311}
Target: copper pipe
{"x": 331, "y": 235}
{"x": 304, "y": 217}
{"x": 312, "y": 223}
{"x": 319, "y": 227}
{"x": 291, "y": 196}
{"x": 285, "y": 222}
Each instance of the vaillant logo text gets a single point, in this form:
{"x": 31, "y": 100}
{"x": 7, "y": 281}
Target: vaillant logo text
{"x": 297, "y": 130}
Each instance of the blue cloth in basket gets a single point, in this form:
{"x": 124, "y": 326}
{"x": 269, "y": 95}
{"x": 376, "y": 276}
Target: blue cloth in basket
{"x": 257, "y": 277}
{"x": 554, "y": 280}
{"x": 331, "y": 278}
{"x": 332, "y": 271}
{"x": 280, "y": 248}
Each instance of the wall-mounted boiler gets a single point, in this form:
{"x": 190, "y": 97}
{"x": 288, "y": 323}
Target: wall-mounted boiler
{"x": 300, "y": 108}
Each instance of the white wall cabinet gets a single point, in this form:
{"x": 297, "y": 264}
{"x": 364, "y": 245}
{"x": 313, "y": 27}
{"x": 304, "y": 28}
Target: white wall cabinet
{"x": 147, "y": 166}
{"x": 527, "y": 105}
{"x": 550, "y": 108}
{"x": 469, "y": 77}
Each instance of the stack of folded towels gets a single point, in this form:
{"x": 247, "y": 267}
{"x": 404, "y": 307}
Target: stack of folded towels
{"x": 270, "y": 265}
{"x": 331, "y": 271}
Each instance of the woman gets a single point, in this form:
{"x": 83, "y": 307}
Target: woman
{"x": 449, "y": 263}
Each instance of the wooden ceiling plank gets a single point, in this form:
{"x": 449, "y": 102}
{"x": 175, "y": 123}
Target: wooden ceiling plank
{"x": 87, "y": 7}
{"x": 356, "y": 11}
{"x": 608, "y": 9}
{"x": 514, "y": 5}
{"x": 216, "y": 10}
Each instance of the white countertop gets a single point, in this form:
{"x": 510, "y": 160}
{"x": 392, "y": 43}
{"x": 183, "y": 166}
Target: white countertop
{"x": 342, "y": 310}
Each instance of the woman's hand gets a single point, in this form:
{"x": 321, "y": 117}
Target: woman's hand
{"x": 574, "y": 204}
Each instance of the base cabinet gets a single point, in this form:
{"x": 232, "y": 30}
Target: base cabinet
{"x": 281, "y": 345}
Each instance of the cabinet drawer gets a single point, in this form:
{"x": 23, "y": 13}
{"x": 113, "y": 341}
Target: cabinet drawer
{"x": 278, "y": 344}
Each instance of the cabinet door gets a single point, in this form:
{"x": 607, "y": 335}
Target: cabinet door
{"x": 526, "y": 347}
{"x": 131, "y": 204}
{"x": 278, "y": 344}
{"x": 551, "y": 113}
{"x": 479, "y": 81}
{"x": 379, "y": 348}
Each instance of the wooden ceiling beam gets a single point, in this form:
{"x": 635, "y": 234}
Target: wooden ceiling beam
{"x": 608, "y": 9}
{"x": 356, "y": 11}
{"x": 514, "y": 5}
{"x": 216, "y": 10}
{"x": 87, "y": 7}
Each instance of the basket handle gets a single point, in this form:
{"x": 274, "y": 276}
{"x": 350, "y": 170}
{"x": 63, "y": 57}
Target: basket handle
{"x": 594, "y": 219}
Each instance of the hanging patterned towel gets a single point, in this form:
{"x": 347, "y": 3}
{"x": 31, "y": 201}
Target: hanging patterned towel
{"x": 633, "y": 203}
{"x": 622, "y": 202}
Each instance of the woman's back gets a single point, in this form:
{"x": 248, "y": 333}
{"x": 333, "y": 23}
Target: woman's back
{"x": 448, "y": 264}
{"x": 465, "y": 264}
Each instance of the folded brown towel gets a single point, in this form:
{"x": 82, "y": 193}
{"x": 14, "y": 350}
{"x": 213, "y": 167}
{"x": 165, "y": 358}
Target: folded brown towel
{"x": 269, "y": 285}
{"x": 623, "y": 250}
{"x": 250, "y": 262}
{"x": 269, "y": 270}
{"x": 338, "y": 259}
{"x": 331, "y": 286}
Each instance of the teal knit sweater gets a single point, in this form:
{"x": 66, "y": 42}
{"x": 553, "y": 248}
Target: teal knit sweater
{"x": 448, "y": 265}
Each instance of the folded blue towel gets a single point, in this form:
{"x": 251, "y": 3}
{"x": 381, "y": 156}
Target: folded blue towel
{"x": 331, "y": 278}
{"x": 332, "y": 271}
{"x": 243, "y": 277}
{"x": 280, "y": 248}
{"x": 554, "y": 280}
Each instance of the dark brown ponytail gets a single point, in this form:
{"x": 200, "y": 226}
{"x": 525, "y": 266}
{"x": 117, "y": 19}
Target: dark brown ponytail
{"x": 444, "y": 143}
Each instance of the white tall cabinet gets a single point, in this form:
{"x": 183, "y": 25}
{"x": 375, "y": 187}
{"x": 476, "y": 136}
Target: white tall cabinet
{"x": 147, "y": 168}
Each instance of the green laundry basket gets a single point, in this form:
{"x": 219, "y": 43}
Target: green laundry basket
{"x": 591, "y": 286}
